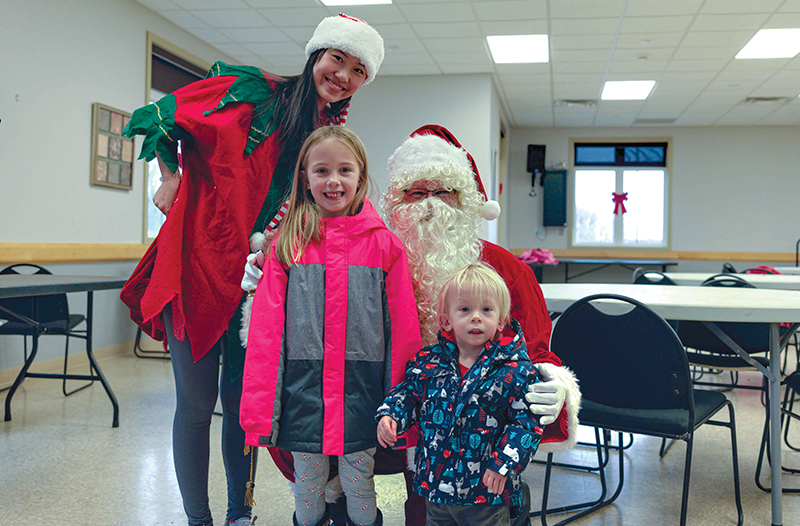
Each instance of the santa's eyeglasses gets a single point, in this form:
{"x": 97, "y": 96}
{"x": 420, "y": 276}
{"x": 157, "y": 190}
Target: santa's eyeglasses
{"x": 421, "y": 193}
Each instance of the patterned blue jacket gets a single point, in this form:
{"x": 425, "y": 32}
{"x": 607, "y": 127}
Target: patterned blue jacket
{"x": 468, "y": 424}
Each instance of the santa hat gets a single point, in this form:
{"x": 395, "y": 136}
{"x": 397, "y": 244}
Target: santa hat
{"x": 351, "y": 35}
{"x": 427, "y": 151}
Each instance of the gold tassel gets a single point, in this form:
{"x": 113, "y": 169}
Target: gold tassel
{"x": 248, "y": 495}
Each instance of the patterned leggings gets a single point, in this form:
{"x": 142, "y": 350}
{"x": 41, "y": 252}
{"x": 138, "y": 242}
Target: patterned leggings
{"x": 355, "y": 473}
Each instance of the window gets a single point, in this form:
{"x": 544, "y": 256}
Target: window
{"x": 169, "y": 68}
{"x": 603, "y": 174}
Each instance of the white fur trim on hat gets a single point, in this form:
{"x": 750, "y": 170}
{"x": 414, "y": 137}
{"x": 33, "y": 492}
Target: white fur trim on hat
{"x": 490, "y": 210}
{"x": 351, "y": 35}
{"x": 424, "y": 154}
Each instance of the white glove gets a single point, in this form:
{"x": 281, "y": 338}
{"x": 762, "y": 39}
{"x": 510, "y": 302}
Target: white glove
{"x": 252, "y": 274}
{"x": 546, "y": 399}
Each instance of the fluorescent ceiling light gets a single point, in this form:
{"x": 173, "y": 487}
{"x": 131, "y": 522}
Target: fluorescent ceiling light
{"x": 355, "y": 2}
{"x": 517, "y": 49}
{"x": 627, "y": 89}
{"x": 772, "y": 43}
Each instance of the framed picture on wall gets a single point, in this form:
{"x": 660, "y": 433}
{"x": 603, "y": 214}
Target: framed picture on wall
{"x": 112, "y": 154}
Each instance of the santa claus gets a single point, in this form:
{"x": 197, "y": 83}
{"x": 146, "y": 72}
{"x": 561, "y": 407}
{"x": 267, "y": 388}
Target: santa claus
{"x": 434, "y": 204}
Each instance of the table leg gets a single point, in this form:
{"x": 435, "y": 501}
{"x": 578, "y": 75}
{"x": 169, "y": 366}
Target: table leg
{"x": 775, "y": 423}
{"x": 93, "y": 361}
{"x": 28, "y": 362}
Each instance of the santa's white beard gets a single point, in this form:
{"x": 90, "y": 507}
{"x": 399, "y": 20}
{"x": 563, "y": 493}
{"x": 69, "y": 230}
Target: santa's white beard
{"x": 439, "y": 239}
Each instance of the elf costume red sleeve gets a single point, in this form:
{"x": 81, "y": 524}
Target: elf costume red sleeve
{"x": 230, "y": 180}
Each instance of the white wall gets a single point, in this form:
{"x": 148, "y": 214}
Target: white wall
{"x": 59, "y": 58}
{"x": 384, "y": 113}
{"x": 733, "y": 188}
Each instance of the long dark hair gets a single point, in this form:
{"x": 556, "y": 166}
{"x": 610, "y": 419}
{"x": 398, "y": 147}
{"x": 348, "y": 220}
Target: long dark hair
{"x": 295, "y": 101}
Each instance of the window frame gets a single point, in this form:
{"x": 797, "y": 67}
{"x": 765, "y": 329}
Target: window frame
{"x": 154, "y": 40}
{"x": 667, "y": 166}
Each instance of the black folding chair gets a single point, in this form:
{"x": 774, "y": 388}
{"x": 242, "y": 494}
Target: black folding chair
{"x": 611, "y": 340}
{"x": 53, "y": 316}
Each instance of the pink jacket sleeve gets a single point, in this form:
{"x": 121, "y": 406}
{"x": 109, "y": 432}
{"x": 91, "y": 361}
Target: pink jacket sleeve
{"x": 260, "y": 380}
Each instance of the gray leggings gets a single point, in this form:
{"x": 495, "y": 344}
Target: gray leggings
{"x": 196, "y": 389}
{"x": 356, "y": 476}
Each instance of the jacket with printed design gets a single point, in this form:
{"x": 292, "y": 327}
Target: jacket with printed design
{"x": 329, "y": 336}
{"x": 468, "y": 424}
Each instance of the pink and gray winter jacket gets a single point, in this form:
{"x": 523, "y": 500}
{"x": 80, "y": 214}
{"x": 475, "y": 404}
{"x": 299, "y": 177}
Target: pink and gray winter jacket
{"x": 329, "y": 337}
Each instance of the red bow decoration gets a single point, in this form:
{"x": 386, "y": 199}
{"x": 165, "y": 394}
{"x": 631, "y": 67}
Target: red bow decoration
{"x": 619, "y": 206}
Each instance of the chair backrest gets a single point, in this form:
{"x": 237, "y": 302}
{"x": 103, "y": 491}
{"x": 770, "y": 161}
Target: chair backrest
{"x": 762, "y": 269}
{"x": 752, "y": 337}
{"x": 631, "y": 359}
{"x": 53, "y": 307}
{"x": 726, "y": 280}
{"x": 652, "y": 277}
{"x": 727, "y": 268}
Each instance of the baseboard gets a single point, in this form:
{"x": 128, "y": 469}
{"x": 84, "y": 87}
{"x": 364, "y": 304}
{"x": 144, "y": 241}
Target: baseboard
{"x": 78, "y": 362}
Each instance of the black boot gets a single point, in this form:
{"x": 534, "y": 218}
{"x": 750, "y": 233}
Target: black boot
{"x": 339, "y": 511}
{"x": 378, "y": 520}
{"x": 324, "y": 521}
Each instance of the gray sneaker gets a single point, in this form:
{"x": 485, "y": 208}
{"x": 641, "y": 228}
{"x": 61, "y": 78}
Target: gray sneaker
{"x": 243, "y": 521}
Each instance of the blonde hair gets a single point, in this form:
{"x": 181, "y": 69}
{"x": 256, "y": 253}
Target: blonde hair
{"x": 301, "y": 225}
{"x": 479, "y": 279}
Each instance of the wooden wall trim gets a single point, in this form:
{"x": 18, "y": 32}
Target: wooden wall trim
{"x": 677, "y": 255}
{"x": 96, "y": 252}
{"x": 43, "y": 253}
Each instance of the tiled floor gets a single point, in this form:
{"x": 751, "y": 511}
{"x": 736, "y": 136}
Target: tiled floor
{"x": 63, "y": 464}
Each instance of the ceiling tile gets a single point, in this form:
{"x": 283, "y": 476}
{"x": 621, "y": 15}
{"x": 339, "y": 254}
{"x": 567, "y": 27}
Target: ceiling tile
{"x": 445, "y": 30}
{"x": 294, "y": 17}
{"x": 522, "y": 69}
{"x": 653, "y": 39}
{"x": 655, "y": 24}
{"x": 256, "y": 34}
{"x": 790, "y": 6}
{"x": 515, "y": 27}
{"x": 463, "y": 58}
{"x": 586, "y": 8}
{"x": 373, "y": 14}
{"x": 461, "y": 68}
{"x": 270, "y": 49}
{"x": 752, "y": 22}
{"x": 403, "y": 45}
{"x": 574, "y": 117}
{"x": 391, "y": 30}
{"x": 437, "y": 12}
{"x": 453, "y": 45}
{"x": 578, "y": 67}
{"x": 183, "y": 19}
{"x": 732, "y": 39}
{"x": 577, "y": 91}
{"x": 258, "y": 4}
{"x": 207, "y": 34}
{"x": 568, "y": 42}
{"x": 721, "y": 7}
{"x": 159, "y": 5}
{"x": 658, "y": 8}
{"x": 783, "y": 21}
{"x": 594, "y": 26}
{"x": 745, "y": 114}
{"x": 224, "y": 18}
{"x": 511, "y": 10}
{"x": 582, "y": 55}
{"x": 412, "y": 69}
{"x": 649, "y": 68}
{"x": 408, "y": 59}
{"x": 211, "y": 4}
{"x": 720, "y": 54}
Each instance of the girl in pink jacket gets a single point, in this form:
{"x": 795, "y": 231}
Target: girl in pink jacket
{"x": 333, "y": 323}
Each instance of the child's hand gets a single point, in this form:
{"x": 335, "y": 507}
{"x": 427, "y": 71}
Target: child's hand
{"x": 269, "y": 237}
{"x": 494, "y": 481}
{"x": 387, "y": 431}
